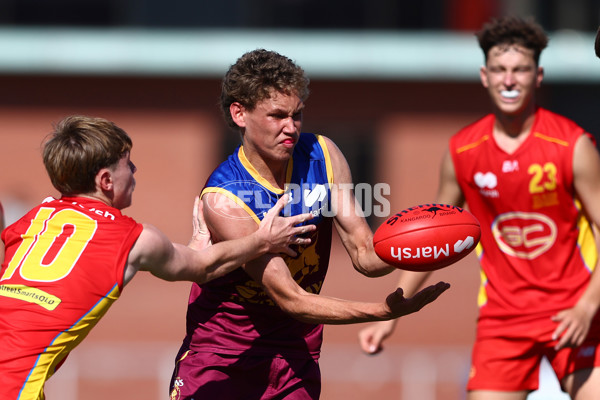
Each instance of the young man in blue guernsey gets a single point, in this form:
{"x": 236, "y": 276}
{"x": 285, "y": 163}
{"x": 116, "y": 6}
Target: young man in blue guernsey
{"x": 256, "y": 333}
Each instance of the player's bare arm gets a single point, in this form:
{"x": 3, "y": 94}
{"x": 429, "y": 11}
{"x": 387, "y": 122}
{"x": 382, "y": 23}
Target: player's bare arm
{"x": 355, "y": 233}
{"x": 574, "y": 323}
{"x": 372, "y": 337}
{"x": 272, "y": 273}
{"x": 154, "y": 252}
{"x": 275, "y": 278}
{"x": 448, "y": 188}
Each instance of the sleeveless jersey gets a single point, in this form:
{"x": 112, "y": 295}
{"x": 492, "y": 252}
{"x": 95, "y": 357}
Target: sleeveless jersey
{"x": 536, "y": 251}
{"x": 232, "y": 314}
{"x": 63, "y": 269}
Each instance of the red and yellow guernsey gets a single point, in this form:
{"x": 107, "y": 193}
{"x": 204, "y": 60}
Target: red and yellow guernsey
{"x": 62, "y": 270}
{"x": 536, "y": 251}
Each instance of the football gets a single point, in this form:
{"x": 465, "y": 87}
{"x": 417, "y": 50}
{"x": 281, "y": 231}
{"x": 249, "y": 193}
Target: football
{"x": 427, "y": 237}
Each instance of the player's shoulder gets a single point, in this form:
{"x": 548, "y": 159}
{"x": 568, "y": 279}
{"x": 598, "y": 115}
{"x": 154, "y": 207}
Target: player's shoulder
{"x": 555, "y": 125}
{"x": 473, "y": 135}
{"x": 310, "y": 143}
{"x": 476, "y": 128}
{"x": 229, "y": 170}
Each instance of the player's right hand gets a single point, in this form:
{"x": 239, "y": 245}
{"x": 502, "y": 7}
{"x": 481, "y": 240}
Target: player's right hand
{"x": 281, "y": 232}
{"x": 372, "y": 337}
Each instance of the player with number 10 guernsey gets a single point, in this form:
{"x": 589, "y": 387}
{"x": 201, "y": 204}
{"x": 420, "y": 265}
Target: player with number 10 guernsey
{"x": 68, "y": 259}
{"x": 66, "y": 301}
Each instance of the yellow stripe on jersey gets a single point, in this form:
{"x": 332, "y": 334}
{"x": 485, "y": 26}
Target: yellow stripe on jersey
{"x": 232, "y": 197}
{"x": 586, "y": 241}
{"x": 482, "y": 295}
{"x": 551, "y": 139}
{"x": 254, "y": 173}
{"x": 328, "y": 165}
{"x": 290, "y": 170}
{"x": 472, "y": 145}
{"x": 62, "y": 344}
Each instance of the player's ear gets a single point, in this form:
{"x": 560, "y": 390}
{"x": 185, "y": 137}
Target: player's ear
{"x": 238, "y": 114}
{"x": 539, "y": 77}
{"x": 104, "y": 180}
{"x": 483, "y": 76}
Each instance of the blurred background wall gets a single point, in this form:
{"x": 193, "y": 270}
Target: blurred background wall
{"x": 390, "y": 82}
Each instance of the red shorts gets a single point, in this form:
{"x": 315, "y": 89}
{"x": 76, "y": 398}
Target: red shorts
{"x": 513, "y": 363}
{"x": 224, "y": 377}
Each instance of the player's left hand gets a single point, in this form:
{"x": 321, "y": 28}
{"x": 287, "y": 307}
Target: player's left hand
{"x": 200, "y": 233}
{"x": 573, "y": 326}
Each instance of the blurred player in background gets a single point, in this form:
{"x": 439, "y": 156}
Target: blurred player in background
{"x": 532, "y": 178}
{"x": 256, "y": 332}
{"x": 68, "y": 259}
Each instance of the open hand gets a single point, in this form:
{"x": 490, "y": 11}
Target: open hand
{"x": 400, "y": 306}
{"x": 281, "y": 232}
{"x": 573, "y": 327}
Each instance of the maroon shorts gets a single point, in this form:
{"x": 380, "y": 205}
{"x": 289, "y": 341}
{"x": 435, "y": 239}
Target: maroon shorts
{"x": 224, "y": 377}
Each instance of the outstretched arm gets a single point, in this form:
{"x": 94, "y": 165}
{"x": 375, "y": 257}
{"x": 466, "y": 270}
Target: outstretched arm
{"x": 276, "y": 280}
{"x": 273, "y": 274}
{"x": 200, "y": 261}
{"x": 356, "y": 235}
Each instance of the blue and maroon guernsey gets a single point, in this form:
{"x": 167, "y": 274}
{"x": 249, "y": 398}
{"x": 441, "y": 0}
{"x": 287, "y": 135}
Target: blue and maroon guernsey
{"x": 232, "y": 314}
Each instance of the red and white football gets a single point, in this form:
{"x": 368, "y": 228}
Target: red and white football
{"x": 427, "y": 237}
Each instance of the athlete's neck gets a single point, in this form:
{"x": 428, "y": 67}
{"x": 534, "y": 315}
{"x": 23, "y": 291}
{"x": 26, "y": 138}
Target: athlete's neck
{"x": 510, "y": 131}
{"x": 273, "y": 171}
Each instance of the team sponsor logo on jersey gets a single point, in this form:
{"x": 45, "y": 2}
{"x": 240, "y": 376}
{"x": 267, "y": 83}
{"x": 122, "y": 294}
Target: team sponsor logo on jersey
{"x": 317, "y": 193}
{"x": 312, "y": 198}
{"x": 510, "y": 166}
{"x": 31, "y": 295}
{"x": 523, "y": 234}
{"x": 487, "y": 183}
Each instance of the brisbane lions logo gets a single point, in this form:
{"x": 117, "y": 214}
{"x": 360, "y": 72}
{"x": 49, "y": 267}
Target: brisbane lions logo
{"x": 301, "y": 266}
{"x": 306, "y": 262}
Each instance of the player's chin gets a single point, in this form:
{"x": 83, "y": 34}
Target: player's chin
{"x": 123, "y": 203}
{"x": 284, "y": 153}
{"x": 511, "y": 108}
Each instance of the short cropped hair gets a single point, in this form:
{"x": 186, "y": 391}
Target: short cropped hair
{"x": 78, "y": 148}
{"x": 255, "y": 75}
{"x": 513, "y": 31}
